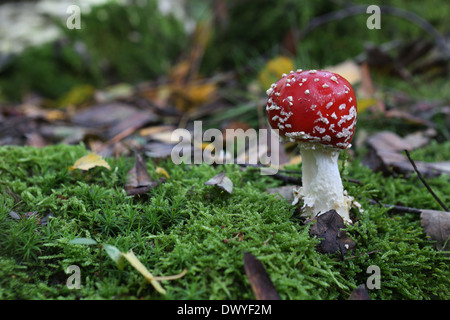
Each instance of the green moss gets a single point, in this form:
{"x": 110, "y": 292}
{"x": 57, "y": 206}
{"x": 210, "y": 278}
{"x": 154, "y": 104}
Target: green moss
{"x": 184, "y": 224}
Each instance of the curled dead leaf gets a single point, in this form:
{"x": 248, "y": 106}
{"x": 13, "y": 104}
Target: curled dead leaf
{"x": 221, "y": 181}
{"x": 436, "y": 225}
{"x": 138, "y": 179}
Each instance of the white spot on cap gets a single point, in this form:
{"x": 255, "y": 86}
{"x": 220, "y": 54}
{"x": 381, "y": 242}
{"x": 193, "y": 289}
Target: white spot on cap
{"x": 325, "y": 86}
{"x": 316, "y": 79}
{"x": 272, "y": 106}
{"x": 329, "y": 104}
{"x": 333, "y": 78}
{"x": 319, "y": 129}
{"x": 312, "y": 71}
{"x": 306, "y": 91}
{"x": 334, "y": 116}
{"x": 344, "y": 133}
{"x": 332, "y": 127}
{"x": 347, "y": 90}
{"x": 342, "y": 106}
{"x": 351, "y": 115}
{"x": 299, "y": 70}
{"x": 321, "y": 118}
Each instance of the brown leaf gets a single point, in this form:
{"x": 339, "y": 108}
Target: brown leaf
{"x": 129, "y": 125}
{"x": 260, "y": 281}
{"x": 138, "y": 178}
{"x": 104, "y": 115}
{"x": 329, "y": 226}
{"x": 360, "y": 293}
{"x": 222, "y": 181}
{"x": 436, "y": 224}
{"x": 386, "y": 153}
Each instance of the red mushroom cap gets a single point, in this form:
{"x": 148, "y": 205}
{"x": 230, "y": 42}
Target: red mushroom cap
{"x": 313, "y": 106}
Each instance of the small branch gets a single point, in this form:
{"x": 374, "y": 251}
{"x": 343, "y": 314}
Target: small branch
{"x": 360, "y": 255}
{"x": 396, "y": 208}
{"x": 425, "y": 183}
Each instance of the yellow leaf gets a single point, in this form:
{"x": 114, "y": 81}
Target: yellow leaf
{"x": 193, "y": 95}
{"x": 162, "y": 171}
{"x": 273, "y": 70}
{"x": 364, "y": 103}
{"x": 207, "y": 146}
{"x": 77, "y": 96}
{"x": 348, "y": 69}
{"x": 134, "y": 261}
{"x": 88, "y": 162}
{"x": 53, "y": 115}
{"x": 174, "y": 277}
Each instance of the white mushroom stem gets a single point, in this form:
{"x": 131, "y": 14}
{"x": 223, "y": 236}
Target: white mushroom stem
{"x": 322, "y": 188}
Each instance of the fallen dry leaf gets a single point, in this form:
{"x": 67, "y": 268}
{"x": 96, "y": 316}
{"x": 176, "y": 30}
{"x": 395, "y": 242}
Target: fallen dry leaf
{"x": 360, "y": 293}
{"x": 259, "y": 279}
{"x": 162, "y": 171}
{"x": 273, "y": 70}
{"x": 221, "y": 181}
{"x": 348, "y": 69}
{"x": 90, "y": 161}
{"x": 436, "y": 224}
{"x": 103, "y": 115}
{"x": 193, "y": 95}
{"x": 154, "y": 281}
{"x": 134, "y": 261}
{"x": 386, "y": 154}
{"x": 138, "y": 179}
{"x": 330, "y": 226}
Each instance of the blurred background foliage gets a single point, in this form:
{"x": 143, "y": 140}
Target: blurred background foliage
{"x": 132, "y": 41}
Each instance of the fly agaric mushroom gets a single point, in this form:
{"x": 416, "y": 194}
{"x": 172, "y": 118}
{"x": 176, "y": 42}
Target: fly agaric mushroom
{"x": 317, "y": 109}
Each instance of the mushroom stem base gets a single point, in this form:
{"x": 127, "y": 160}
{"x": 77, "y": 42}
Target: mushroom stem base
{"x": 322, "y": 188}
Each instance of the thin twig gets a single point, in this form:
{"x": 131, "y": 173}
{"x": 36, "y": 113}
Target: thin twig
{"x": 425, "y": 183}
{"x": 396, "y": 207}
{"x": 364, "y": 253}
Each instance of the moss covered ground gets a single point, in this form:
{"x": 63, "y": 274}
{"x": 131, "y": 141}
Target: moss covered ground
{"x": 185, "y": 224}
